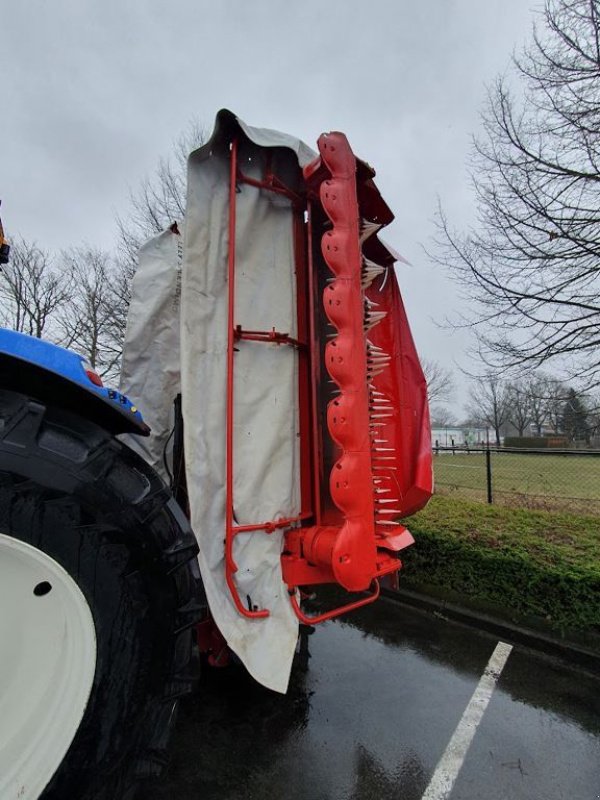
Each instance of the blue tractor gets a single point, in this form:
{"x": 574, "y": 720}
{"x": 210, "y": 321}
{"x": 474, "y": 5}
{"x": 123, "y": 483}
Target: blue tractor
{"x": 99, "y": 584}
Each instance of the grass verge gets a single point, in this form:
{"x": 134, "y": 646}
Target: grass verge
{"x": 526, "y": 564}
{"x": 523, "y": 480}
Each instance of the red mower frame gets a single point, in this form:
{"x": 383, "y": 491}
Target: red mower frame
{"x": 354, "y": 476}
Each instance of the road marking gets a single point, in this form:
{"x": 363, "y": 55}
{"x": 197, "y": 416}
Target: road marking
{"x": 450, "y": 763}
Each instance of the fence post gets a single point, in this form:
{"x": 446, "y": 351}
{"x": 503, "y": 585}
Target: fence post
{"x": 488, "y": 469}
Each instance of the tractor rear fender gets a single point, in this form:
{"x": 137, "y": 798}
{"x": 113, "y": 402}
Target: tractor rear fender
{"x": 62, "y": 378}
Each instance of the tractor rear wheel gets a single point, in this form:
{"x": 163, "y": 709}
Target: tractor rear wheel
{"x": 99, "y": 588}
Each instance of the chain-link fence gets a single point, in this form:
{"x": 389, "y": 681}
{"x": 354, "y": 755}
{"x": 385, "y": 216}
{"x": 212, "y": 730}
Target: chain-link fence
{"x": 553, "y": 480}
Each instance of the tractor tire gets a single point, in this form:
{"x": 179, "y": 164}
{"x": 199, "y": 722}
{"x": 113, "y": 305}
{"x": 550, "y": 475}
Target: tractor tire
{"x": 87, "y": 525}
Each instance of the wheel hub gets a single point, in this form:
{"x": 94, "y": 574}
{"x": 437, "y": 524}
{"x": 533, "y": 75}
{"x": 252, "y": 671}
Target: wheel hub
{"x": 47, "y": 666}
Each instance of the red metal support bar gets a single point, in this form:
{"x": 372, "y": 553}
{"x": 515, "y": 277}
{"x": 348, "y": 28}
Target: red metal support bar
{"x": 314, "y": 360}
{"x": 270, "y": 337}
{"x": 271, "y": 526}
{"x": 271, "y": 184}
{"x": 230, "y": 565}
{"x": 304, "y": 363}
{"x": 335, "y": 612}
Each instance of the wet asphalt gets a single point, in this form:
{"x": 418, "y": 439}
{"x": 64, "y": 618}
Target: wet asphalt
{"x": 373, "y": 702}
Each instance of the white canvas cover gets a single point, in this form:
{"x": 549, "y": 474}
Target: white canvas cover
{"x": 150, "y": 370}
{"x": 266, "y": 449}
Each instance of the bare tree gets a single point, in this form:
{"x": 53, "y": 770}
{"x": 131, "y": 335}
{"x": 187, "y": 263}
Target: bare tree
{"x": 536, "y": 399}
{"x": 157, "y": 203}
{"x": 87, "y": 319}
{"x": 593, "y": 404}
{"x": 519, "y": 405}
{"x": 97, "y": 316}
{"x": 32, "y": 291}
{"x": 440, "y": 384}
{"x": 539, "y": 392}
{"x": 531, "y": 267}
{"x": 119, "y": 298}
{"x": 442, "y": 417}
{"x": 556, "y": 395}
{"x": 160, "y": 199}
{"x": 489, "y": 403}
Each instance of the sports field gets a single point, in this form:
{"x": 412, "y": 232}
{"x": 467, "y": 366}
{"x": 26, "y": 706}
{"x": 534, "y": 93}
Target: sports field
{"x": 552, "y": 482}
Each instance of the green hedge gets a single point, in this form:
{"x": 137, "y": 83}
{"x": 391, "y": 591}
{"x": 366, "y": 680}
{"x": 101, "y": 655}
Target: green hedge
{"x": 527, "y": 563}
{"x": 533, "y": 442}
{"x": 536, "y": 442}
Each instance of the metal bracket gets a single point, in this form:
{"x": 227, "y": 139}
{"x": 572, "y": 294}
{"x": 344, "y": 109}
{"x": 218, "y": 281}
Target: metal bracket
{"x": 335, "y": 612}
{"x": 269, "y": 337}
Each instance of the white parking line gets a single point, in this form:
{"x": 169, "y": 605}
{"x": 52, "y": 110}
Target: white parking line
{"x": 450, "y": 763}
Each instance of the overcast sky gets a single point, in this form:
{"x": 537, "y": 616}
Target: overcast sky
{"x": 93, "y": 93}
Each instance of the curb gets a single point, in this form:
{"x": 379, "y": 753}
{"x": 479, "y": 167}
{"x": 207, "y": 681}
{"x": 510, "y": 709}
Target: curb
{"x": 514, "y": 634}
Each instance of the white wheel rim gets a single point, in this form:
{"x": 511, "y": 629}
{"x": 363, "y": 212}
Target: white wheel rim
{"x": 47, "y": 666}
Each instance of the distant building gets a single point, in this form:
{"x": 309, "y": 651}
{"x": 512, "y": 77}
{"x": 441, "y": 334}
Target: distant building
{"x": 458, "y": 436}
